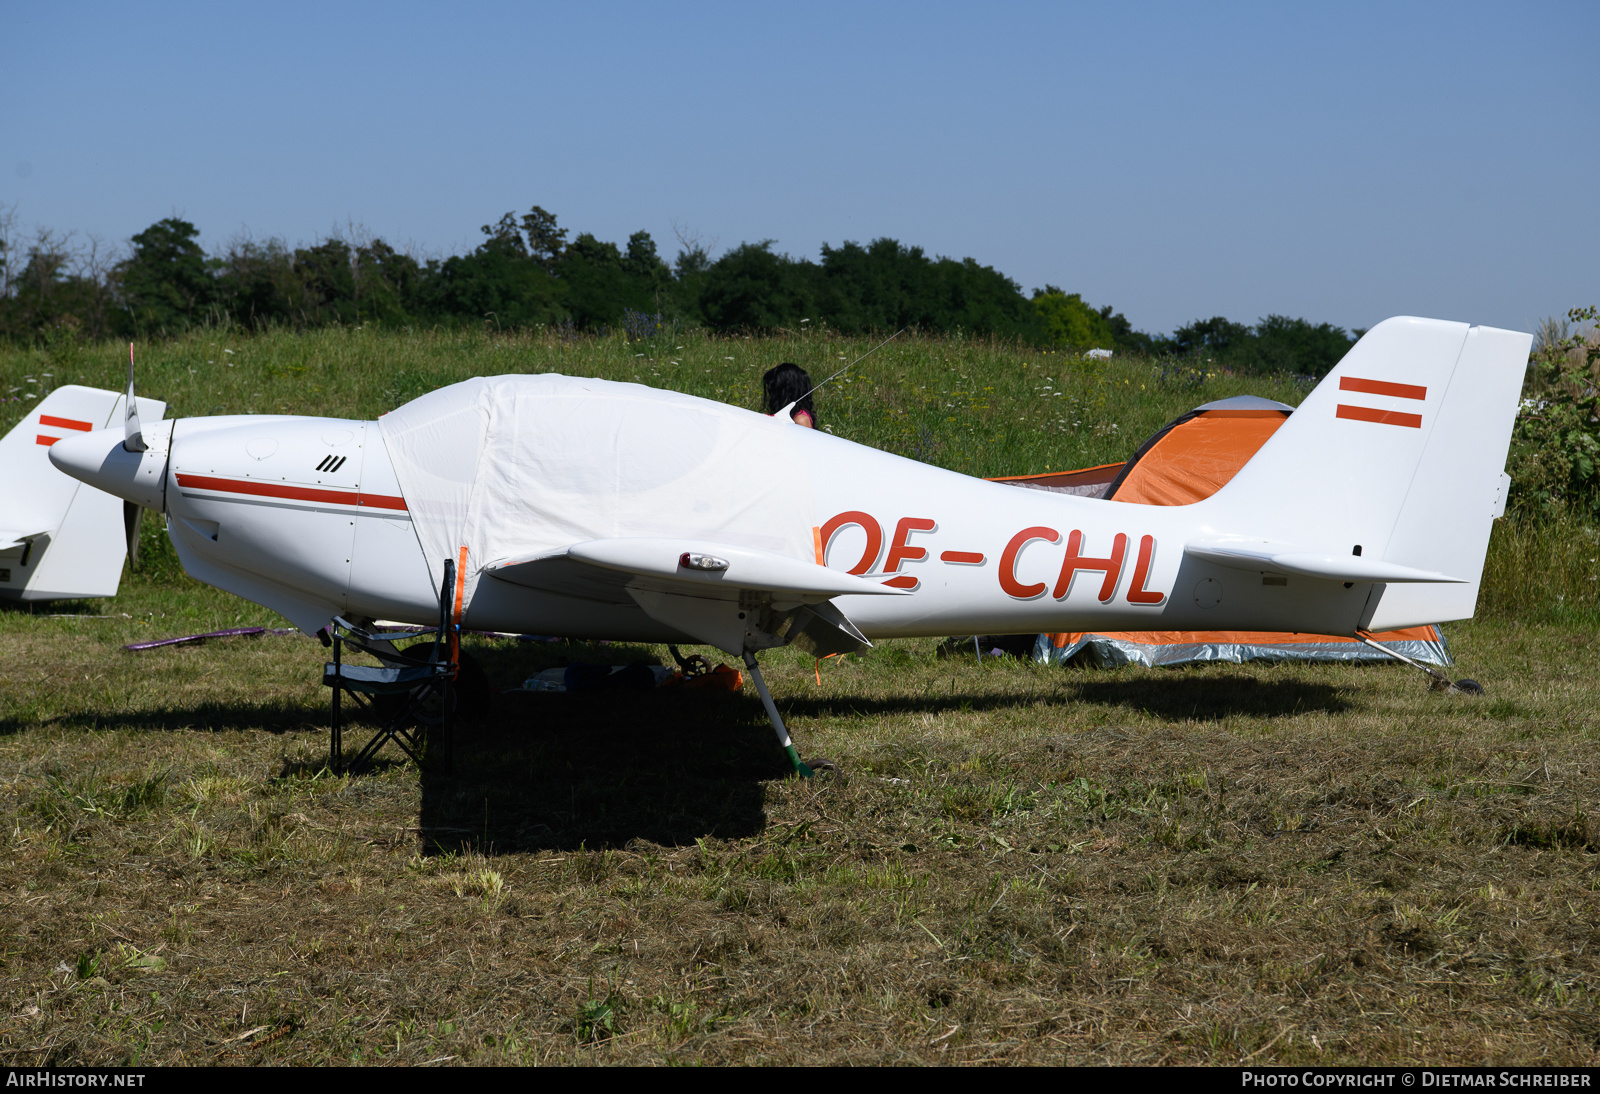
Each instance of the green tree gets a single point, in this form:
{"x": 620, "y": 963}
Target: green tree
{"x": 61, "y": 293}
{"x": 546, "y": 242}
{"x": 688, "y": 280}
{"x": 1555, "y": 446}
{"x": 595, "y": 282}
{"x": 1134, "y": 341}
{"x": 979, "y": 299}
{"x": 256, "y": 283}
{"x": 601, "y": 282}
{"x": 887, "y": 285}
{"x": 1216, "y": 338}
{"x": 1275, "y": 344}
{"x": 39, "y": 292}
{"x": 1068, "y": 321}
{"x": 882, "y": 286}
{"x": 387, "y": 282}
{"x": 752, "y": 287}
{"x": 328, "y": 274}
{"x": 499, "y": 283}
{"x": 505, "y": 238}
{"x": 644, "y": 267}
{"x": 165, "y": 284}
{"x": 1282, "y": 344}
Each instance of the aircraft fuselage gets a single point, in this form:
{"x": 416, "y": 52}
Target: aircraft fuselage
{"x": 587, "y": 508}
{"x": 306, "y": 515}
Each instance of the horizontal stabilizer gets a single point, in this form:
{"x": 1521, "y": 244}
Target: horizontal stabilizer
{"x": 1283, "y": 558}
{"x": 17, "y": 539}
{"x": 717, "y": 571}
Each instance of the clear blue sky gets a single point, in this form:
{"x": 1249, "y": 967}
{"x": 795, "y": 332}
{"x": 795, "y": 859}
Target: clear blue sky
{"x": 1340, "y": 162}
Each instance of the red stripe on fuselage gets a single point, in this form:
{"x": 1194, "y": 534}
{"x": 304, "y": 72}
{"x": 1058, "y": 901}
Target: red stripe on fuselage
{"x": 295, "y": 493}
{"x": 65, "y": 423}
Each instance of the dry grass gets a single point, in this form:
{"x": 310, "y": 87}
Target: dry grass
{"x": 1284, "y": 865}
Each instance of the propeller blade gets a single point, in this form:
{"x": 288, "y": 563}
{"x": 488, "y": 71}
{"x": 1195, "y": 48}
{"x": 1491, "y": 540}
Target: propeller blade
{"x": 132, "y": 434}
{"x": 132, "y": 518}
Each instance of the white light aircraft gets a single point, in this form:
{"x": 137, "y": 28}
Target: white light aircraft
{"x": 594, "y": 509}
{"x": 62, "y": 539}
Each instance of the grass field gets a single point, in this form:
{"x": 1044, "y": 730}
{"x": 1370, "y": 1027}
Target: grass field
{"x": 1018, "y": 864}
{"x": 972, "y": 405}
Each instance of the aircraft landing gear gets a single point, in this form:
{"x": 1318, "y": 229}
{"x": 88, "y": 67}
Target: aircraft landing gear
{"x": 777, "y": 721}
{"x": 1438, "y": 681}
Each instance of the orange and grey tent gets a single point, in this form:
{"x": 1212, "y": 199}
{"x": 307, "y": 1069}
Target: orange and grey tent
{"x": 1105, "y": 651}
{"x": 1192, "y": 458}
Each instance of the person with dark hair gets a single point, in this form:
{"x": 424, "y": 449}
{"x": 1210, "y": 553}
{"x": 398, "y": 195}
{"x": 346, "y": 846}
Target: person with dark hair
{"x": 789, "y": 383}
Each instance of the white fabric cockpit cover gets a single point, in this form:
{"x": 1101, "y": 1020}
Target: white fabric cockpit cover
{"x": 519, "y": 466}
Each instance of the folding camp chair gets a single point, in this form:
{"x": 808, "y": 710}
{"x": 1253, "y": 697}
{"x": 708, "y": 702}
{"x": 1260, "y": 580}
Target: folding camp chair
{"x": 409, "y": 693}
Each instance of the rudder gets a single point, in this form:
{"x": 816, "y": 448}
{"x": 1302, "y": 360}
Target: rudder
{"x": 1398, "y": 456}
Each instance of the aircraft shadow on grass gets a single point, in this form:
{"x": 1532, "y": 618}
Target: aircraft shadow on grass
{"x": 1173, "y": 698}
{"x": 550, "y": 771}
{"x": 277, "y": 718}
{"x": 1188, "y": 698}
{"x": 560, "y": 772}
{"x": 87, "y": 609}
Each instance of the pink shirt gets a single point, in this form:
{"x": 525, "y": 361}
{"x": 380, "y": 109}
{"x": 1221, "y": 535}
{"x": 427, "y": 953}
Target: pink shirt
{"x": 801, "y": 417}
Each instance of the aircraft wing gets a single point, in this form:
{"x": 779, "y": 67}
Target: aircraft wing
{"x": 724, "y": 595}
{"x": 1248, "y": 554}
{"x": 715, "y": 571}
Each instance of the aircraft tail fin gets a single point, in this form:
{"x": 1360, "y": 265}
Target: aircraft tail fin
{"x": 62, "y": 539}
{"x": 1397, "y": 457}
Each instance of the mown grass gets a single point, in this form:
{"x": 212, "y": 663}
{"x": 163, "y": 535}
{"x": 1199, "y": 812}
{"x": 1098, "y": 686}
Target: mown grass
{"x": 1287, "y": 865}
{"x": 1282, "y": 865}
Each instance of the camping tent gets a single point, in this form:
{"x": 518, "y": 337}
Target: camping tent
{"x": 1104, "y": 651}
{"x": 1191, "y": 458}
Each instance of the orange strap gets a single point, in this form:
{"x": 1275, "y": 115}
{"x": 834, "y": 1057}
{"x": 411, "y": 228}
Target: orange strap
{"x": 817, "y": 668}
{"x": 455, "y": 612}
